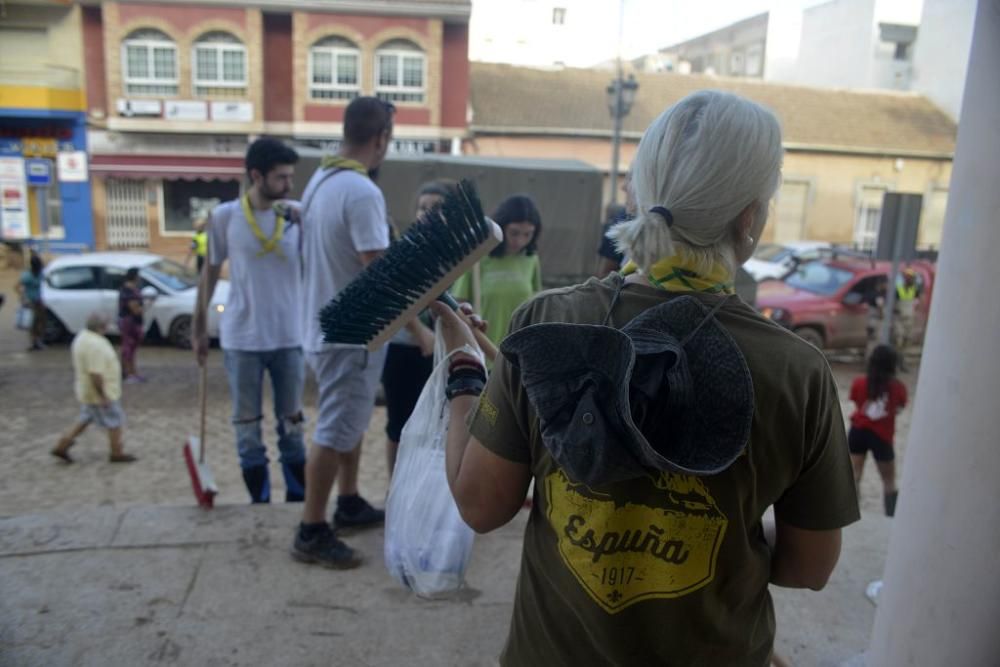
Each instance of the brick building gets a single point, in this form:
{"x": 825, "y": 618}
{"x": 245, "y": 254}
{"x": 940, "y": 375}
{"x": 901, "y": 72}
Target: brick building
{"x": 843, "y": 149}
{"x": 176, "y": 90}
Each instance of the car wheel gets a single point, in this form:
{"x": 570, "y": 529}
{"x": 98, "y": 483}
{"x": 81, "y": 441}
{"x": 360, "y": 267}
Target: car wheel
{"x": 55, "y": 331}
{"x": 180, "y": 332}
{"x": 811, "y": 336}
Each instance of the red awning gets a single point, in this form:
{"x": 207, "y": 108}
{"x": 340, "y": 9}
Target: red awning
{"x": 168, "y": 167}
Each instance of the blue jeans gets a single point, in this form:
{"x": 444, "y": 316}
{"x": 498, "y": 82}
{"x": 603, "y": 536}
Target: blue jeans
{"x": 246, "y": 382}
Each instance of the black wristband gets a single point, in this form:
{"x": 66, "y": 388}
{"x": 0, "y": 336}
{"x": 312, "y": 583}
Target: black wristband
{"x": 464, "y": 386}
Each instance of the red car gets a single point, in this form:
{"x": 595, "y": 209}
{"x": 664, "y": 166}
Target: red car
{"x": 826, "y": 302}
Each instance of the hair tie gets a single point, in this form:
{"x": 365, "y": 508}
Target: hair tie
{"x": 665, "y": 213}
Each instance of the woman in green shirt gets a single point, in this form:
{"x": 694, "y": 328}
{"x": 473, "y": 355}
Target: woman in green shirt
{"x": 511, "y": 274}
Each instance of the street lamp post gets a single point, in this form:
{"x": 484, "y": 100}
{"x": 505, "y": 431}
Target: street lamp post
{"x": 621, "y": 96}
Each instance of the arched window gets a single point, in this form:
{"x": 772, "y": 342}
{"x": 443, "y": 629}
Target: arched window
{"x": 220, "y": 66}
{"x": 149, "y": 63}
{"x": 334, "y": 69}
{"x": 400, "y": 72}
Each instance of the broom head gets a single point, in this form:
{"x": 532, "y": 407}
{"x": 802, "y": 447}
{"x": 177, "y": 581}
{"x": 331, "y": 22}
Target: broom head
{"x": 202, "y": 480}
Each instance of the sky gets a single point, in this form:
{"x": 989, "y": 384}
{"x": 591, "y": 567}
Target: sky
{"x": 648, "y": 25}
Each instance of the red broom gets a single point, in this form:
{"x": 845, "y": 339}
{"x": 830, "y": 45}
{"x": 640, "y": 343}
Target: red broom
{"x": 202, "y": 480}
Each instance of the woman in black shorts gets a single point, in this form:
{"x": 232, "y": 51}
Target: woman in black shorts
{"x": 878, "y": 397}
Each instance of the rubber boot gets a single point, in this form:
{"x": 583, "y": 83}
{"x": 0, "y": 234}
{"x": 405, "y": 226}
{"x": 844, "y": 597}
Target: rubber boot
{"x": 258, "y": 484}
{"x": 295, "y": 481}
{"x": 890, "y": 503}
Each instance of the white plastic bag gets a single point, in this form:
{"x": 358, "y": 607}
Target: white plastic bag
{"x": 25, "y": 317}
{"x": 427, "y": 544}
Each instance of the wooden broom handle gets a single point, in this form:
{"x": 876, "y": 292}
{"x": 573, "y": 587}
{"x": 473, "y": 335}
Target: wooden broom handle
{"x": 485, "y": 344}
{"x": 203, "y": 400}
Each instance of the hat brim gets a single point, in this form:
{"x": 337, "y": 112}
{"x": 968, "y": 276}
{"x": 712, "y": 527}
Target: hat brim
{"x": 717, "y": 425}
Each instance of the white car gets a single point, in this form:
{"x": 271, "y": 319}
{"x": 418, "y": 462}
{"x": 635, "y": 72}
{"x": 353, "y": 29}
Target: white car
{"x": 77, "y": 285}
{"x": 776, "y": 261}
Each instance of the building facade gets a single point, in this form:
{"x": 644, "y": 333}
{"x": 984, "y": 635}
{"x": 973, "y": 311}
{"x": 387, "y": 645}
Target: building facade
{"x": 736, "y": 50}
{"x": 43, "y": 128}
{"x": 176, "y": 91}
{"x": 915, "y": 45}
{"x": 843, "y": 150}
{"x": 857, "y": 44}
{"x": 941, "y": 54}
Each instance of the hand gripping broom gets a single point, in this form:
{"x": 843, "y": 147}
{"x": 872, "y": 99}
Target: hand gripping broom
{"x": 202, "y": 480}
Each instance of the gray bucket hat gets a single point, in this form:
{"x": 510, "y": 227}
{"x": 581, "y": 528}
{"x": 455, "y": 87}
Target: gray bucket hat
{"x": 670, "y": 391}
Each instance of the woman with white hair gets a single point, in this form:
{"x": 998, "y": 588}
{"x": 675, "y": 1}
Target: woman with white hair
{"x": 660, "y": 417}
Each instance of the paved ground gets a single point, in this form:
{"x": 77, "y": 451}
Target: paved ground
{"x": 103, "y": 564}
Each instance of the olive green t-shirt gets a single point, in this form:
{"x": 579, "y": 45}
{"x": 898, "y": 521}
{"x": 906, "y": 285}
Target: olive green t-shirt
{"x": 669, "y": 569}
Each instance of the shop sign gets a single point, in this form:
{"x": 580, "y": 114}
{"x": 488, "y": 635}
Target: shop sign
{"x": 73, "y": 167}
{"x": 396, "y": 146}
{"x": 39, "y": 172}
{"x": 232, "y": 111}
{"x": 13, "y": 199}
{"x": 39, "y": 147}
{"x": 140, "y": 108}
{"x": 186, "y": 110}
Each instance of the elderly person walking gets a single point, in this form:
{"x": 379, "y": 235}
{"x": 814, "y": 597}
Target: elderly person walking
{"x": 98, "y": 388}
{"x": 659, "y": 417}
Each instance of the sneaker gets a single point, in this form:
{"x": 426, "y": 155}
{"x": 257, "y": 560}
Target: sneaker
{"x": 361, "y": 515}
{"x": 61, "y": 453}
{"x": 123, "y": 458}
{"x": 134, "y": 379}
{"x": 323, "y": 548}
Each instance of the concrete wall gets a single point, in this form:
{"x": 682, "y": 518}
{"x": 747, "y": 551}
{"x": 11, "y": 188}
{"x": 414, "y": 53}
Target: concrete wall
{"x": 888, "y": 73}
{"x": 713, "y": 52}
{"x": 521, "y": 32}
{"x": 941, "y": 53}
{"x": 63, "y": 48}
{"x": 835, "y": 184}
{"x": 834, "y": 180}
{"x": 836, "y": 46}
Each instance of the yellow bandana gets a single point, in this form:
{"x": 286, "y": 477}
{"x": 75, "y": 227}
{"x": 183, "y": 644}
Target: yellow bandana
{"x": 267, "y": 245}
{"x": 341, "y": 162}
{"x": 677, "y": 274}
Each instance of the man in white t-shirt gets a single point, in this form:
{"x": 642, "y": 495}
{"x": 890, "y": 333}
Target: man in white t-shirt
{"x": 261, "y": 326}
{"x": 345, "y": 229}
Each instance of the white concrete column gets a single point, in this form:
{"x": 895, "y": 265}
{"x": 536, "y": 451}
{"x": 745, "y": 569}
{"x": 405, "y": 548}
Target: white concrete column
{"x": 941, "y": 601}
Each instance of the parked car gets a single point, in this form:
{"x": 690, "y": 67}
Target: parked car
{"x": 77, "y": 285}
{"x": 774, "y": 261}
{"x": 824, "y": 302}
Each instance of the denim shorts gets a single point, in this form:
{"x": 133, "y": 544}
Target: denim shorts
{"x": 109, "y": 417}
{"x": 347, "y": 380}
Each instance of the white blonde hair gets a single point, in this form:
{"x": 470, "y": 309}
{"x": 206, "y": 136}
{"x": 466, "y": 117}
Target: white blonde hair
{"x": 705, "y": 159}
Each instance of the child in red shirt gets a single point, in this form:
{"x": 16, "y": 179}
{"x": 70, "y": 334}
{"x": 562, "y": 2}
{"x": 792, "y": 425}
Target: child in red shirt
{"x": 878, "y": 397}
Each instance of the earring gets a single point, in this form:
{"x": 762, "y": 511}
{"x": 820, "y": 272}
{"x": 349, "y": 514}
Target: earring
{"x": 749, "y": 240}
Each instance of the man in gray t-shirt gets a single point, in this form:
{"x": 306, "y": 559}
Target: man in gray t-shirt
{"x": 261, "y": 324}
{"x": 344, "y": 226}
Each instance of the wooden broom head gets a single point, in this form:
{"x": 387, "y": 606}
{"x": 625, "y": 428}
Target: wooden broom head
{"x": 424, "y": 262}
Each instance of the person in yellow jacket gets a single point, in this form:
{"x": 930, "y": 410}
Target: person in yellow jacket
{"x": 907, "y": 295}
{"x": 199, "y": 245}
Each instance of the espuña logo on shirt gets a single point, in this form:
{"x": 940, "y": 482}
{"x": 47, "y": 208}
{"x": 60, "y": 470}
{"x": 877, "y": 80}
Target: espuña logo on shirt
{"x": 622, "y": 552}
